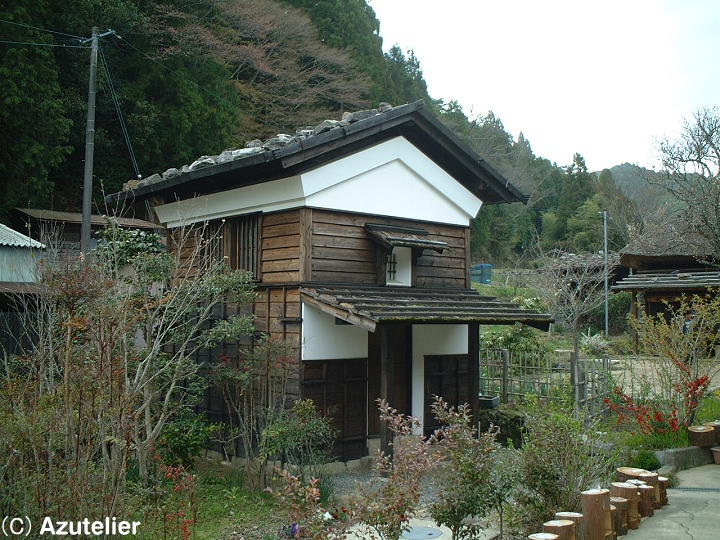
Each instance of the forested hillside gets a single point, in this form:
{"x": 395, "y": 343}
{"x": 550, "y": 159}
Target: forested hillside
{"x": 196, "y": 77}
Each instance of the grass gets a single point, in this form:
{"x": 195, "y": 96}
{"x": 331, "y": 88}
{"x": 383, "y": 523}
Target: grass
{"x": 709, "y": 409}
{"x": 225, "y": 509}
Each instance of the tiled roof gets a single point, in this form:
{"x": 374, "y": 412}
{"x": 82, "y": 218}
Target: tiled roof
{"x": 676, "y": 280}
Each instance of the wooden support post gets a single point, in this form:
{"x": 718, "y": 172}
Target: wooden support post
{"x": 663, "y": 485}
{"x": 387, "y": 385}
{"x": 651, "y": 479}
{"x": 564, "y": 528}
{"x": 702, "y": 436}
{"x": 630, "y": 492}
{"x": 621, "y": 523}
{"x": 614, "y": 517}
{"x": 578, "y": 519}
{"x": 596, "y": 509}
{"x": 474, "y": 370}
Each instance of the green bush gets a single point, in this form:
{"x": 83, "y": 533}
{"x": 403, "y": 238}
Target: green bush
{"x": 301, "y": 436}
{"x": 185, "y": 436}
{"x": 560, "y": 458}
{"x": 646, "y": 459}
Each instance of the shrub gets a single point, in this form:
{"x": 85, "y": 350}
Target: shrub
{"x": 464, "y": 494}
{"x": 559, "y": 460}
{"x": 594, "y": 344}
{"x": 645, "y": 459}
{"x": 185, "y": 436}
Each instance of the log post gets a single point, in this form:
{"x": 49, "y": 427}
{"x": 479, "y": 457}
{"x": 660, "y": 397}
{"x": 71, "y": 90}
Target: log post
{"x": 651, "y": 479}
{"x": 596, "y": 509}
{"x": 578, "y": 519}
{"x": 623, "y": 474}
{"x": 663, "y": 484}
{"x": 543, "y": 536}
{"x": 630, "y": 492}
{"x": 564, "y": 528}
{"x": 615, "y": 517}
{"x": 621, "y": 524}
{"x": 715, "y": 424}
{"x": 702, "y": 436}
{"x": 647, "y": 500}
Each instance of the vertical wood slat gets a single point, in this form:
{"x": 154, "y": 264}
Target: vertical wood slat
{"x": 468, "y": 282}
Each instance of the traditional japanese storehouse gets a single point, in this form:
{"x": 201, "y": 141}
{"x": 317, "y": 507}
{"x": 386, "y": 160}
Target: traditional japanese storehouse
{"x": 358, "y": 234}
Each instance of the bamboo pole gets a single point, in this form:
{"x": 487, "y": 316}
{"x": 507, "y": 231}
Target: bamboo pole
{"x": 596, "y": 509}
{"x": 578, "y": 519}
{"x": 564, "y": 528}
{"x": 630, "y": 492}
{"x": 621, "y": 525}
{"x": 651, "y": 479}
{"x": 702, "y": 436}
{"x": 663, "y": 484}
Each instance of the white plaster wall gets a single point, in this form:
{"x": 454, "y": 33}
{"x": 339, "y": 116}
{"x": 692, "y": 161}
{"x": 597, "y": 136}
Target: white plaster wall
{"x": 266, "y": 197}
{"x": 322, "y": 339}
{"x": 430, "y": 339}
{"x": 392, "y": 178}
{"x": 391, "y": 189}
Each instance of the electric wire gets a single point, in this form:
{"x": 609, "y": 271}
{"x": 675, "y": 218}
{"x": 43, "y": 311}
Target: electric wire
{"x": 41, "y": 29}
{"x": 45, "y": 44}
{"x": 118, "y": 109}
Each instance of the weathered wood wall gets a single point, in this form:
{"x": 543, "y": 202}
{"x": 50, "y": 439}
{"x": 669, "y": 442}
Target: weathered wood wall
{"x": 280, "y": 255}
{"x": 342, "y": 252}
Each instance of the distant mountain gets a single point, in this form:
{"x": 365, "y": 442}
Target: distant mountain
{"x": 637, "y": 183}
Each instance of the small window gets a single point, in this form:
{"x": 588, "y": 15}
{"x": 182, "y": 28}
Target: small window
{"x": 398, "y": 270}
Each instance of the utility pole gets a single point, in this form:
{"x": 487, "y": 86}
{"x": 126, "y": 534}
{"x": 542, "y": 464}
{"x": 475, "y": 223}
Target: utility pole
{"x": 605, "y": 252}
{"x": 89, "y": 148}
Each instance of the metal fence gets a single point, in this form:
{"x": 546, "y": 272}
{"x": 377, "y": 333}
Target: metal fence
{"x": 552, "y": 376}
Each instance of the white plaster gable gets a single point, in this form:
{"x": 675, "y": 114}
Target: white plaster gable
{"x": 392, "y": 178}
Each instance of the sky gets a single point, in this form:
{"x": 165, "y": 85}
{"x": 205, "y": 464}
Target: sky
{"x": 607, "y": 79}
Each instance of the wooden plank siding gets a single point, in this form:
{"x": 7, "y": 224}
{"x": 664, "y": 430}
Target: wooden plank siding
{"x": 342, "y": 252}
{"x": 280, "y": 247}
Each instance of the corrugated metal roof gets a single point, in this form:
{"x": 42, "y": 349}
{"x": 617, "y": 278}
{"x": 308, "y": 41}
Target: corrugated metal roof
{"x": 76, "y": 217}
{"x": 12, "y": 238}
{"x": 368, "y": 306}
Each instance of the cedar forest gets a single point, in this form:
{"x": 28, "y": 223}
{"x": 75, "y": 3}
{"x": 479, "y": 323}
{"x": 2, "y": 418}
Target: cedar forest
{"x": 198, "y": 77}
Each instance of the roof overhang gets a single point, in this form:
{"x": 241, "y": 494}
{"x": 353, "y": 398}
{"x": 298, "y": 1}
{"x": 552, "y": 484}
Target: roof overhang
{"x": 367, "y": 307}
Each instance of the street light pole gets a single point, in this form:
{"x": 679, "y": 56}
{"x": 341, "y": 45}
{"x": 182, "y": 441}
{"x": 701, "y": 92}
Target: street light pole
{"x": 605, "y": 252}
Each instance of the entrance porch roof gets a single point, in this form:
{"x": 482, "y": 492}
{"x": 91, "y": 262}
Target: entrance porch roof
{"x": 367, "y": 307}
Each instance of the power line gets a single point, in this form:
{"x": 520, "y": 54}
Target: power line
{"x": 44, "y": 44}
{"x": 116, "y": 102}
{"x": 41, "y": 29}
